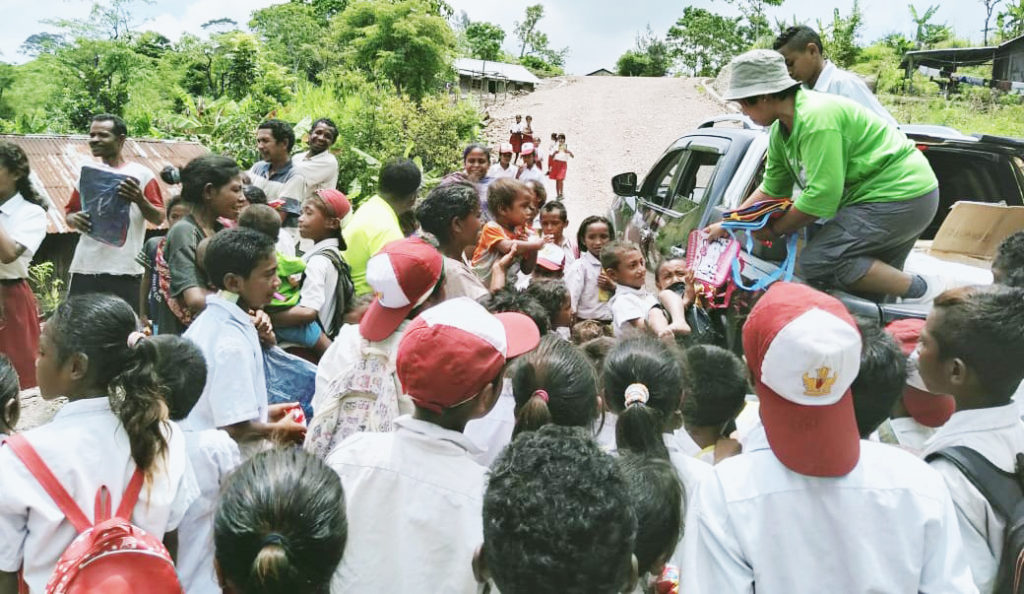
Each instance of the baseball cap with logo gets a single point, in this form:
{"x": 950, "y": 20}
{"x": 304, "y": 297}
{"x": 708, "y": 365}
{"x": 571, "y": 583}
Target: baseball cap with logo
{"x": 403, "y": 276}
{"x": 927, "y": 408}
{"x": 450, "y": 352}
{"x": 803, "y": 350}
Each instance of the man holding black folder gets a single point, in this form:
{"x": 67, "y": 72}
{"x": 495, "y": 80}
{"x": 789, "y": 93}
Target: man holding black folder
{"x": 110, "y": 206}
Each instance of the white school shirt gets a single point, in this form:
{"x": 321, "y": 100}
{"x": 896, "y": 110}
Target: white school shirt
{"x": 236, "y": 387}
{"x": 320, "y": 172}
{"x": 492, "y": 432}
{"x": 836, "y": 81}
{"x": 414, "y": 502}
{"x": 213, "y": 455}
{"x": 998, "y": 434}
{"x": 320, "y": 285}
{"x": 581, "y": 280}
{"x": 496, "y": 171}
{"x": 630, "y": 304}
{"x": 342, "y": 356}
{"x": 86, "y": 447}
{"x": 887, "y": 526}
{"x": 26, "y": 224}
{"x": 530, "y": 173}
{"x": 95, "y": 257}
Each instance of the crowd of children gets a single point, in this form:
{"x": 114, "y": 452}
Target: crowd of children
{"x": 498, "y": 408}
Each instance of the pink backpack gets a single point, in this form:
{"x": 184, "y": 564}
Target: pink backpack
{"x": 112, "y": 556}
{"x": 711, "y": 263}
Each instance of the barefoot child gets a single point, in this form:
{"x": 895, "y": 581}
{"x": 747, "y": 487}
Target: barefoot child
{"x": 510, "y": 203}
{"x": 589, "y": 287}
{"x": 559, "y": 165}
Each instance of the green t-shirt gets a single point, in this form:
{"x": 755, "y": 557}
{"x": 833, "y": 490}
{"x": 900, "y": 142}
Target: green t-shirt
{"x": 839, "y": 153}
{"x": 373, "y": 226}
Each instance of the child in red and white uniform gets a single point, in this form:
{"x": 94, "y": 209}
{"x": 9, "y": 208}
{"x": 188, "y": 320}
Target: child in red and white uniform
{"x": 516, "y": 137}
{"x": 559, "y": 164}
{"x": 503, "y": 168}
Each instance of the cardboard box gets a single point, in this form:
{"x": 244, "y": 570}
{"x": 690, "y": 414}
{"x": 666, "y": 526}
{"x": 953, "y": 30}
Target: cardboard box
{"x": 972, "y": 232}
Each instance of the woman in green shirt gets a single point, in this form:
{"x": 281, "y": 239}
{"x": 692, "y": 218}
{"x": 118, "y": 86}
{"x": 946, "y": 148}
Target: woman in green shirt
{"x": 874, "y": 188}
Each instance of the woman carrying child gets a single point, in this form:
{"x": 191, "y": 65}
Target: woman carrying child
{"x": 212, "y": 186}
{"x": 114, "y": 426}
{"x": 22, "y": 230}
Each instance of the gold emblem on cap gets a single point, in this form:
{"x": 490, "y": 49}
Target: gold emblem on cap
{"x": 819, "y": 384}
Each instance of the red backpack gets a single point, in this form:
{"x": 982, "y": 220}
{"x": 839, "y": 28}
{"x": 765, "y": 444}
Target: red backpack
{"x": 112, "y": 556}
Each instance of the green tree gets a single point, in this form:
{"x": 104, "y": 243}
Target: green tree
{"x": 42, "y": 43}
{"x": 703, "y": 42}
{"x": 841, "y": 35}
{"x": 534, "y": 43}
{"x": 755, "y": 12}
{"x": 293, "y": 35}
{"x": 990, "y": 7}
{"x": 405, "y": 42}
{"x": 1010, "y": 22}
{"x": 97, "y": 75}
{"x": 526, "y": 30}
{"x": 484, "y": 40}
{"x": 108, "y": 19}
{"x": 926, "y": 33}
{"x": 651, "y": 57}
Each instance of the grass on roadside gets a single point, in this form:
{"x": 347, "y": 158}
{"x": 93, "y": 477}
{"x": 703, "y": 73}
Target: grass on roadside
{"x": 977, "y": 111}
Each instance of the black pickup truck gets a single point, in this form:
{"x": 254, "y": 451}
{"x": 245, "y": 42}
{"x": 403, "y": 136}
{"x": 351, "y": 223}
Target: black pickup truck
{"x": 714, "y": 168}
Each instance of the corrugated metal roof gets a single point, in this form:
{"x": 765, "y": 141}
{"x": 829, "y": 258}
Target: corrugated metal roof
{"x": 56, "y": 160}
{"x": 474, "y": 67}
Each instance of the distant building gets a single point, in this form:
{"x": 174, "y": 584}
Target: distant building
{"x": 1007, "y": 60}
{"x": 602, "y": 72}
{"x": 56, "y": 160}
{"x": 494, "y": 78}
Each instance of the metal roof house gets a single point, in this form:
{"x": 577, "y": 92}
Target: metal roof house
{"x": 487, "y": 77}
{"x": 1007, "y": 59}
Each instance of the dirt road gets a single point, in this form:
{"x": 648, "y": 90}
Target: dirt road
{"x": 612, "y": 124}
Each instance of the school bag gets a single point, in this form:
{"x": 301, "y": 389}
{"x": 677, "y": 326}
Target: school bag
{"x": 367, "y": 397}
{"x": 343, "y": 293}
{"x": 1004, "y": 491}
{"x": 753, "y": 218}
{"x": 111, "y": 555}
{"x": 163, "y": 279}
{"x": 292, "y": 272}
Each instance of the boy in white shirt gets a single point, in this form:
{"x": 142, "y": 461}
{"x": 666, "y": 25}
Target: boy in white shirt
{"x": 972, "y": 347}
{"x": 414, "y": 496}
{"x": 503, "y": 168}
{"x": 811, "y": 507}
{"x": 623, "y": 263}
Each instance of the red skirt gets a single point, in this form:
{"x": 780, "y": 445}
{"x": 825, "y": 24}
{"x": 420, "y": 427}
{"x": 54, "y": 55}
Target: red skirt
{"x": 19, "y": 330}
{"x": 527, "y": 138}
{"x": 558, "y": 169}
{"x": 516, "y": 140}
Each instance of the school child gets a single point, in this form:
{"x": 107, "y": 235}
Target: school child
{"x": 150, "y": 299}
{"x": 551, "y": 153}
{"x": 241, "y": 264}
{"x": 554, "y": 219}
{"x": 516, "y": 137}
{"x": 550, "y": 266}
{"x": 589, "y": 287}
{"x": 675, "y": 294}
{"x": 971, "y": 348}
{"x": 1008, "y": 265}
{"x": 763, "y": 520}
{"x": 531, "y": 168}
{"x": 554, "y": 297}
{"x": 22, "y": 230}
{"x": 714, "y": 392}
{"x": 451, "y": 213}
{"x": 212, "y": 454}
{"x": 528, "y": 130}
{"x": 512, "y": 301}
{"x": 557, "y": 518}
{"x": 280, "y": 525}
{"x": 357, "y": 387}
{"x": 503, "y": 168}
{"x": 327, "y": 288}
{"x": 10, "y": 407}
{"x": 656, "y": 496}
{"x": 554, "y": 384}
{"x": 540, "y": 198}
{"x": 559, "y": 164}
{"x": 510, "y": 204}
{"x": 114, "y": 424}
{"x": 642, "y": 383}
{"x": 414, "y": 495}
{"x": 623, "y": 263}
{"x": 882, "y": 376}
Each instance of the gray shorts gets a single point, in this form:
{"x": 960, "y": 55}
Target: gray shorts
{"x": 842, "y": 251}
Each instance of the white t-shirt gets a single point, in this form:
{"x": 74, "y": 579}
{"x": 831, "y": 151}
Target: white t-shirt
{"x": 889, "y": 525}
{"x": 492, "y": 432}
{"x": 320, "y": 285}
{"x": 414, "y": 501}
{"x": 496, "y": 171}
{"x": 213, "y": 455}
{"x": 26, "y": 224}
{"x": 86, "y": 447}
{"x": 526, "y": 174}
{"x": 630, "y": 304}
{"x": 320, "y": 172}
{"x": 94, "y": 257}
{"x": 998, "y": 434}
{"x": 836, "y": 81}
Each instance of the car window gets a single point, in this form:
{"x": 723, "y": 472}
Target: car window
{"x": 664, "y": 178}
{"x": 694, "y": 178}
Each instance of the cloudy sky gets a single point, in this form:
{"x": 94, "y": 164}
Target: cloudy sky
{"x": 596, "y": 31}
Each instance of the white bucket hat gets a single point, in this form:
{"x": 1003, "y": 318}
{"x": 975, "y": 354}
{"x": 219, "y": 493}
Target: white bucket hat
{"x": 757, "y": 72}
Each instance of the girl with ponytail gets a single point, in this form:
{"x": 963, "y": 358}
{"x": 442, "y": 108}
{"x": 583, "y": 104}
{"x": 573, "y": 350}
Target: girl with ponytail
{"x": 22, "y": 230}
{"x": 643, "y": 385}
{"x": 280, "y": 526}
{"x": 114, "y": 422}
{"x": 554, "y": 383}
